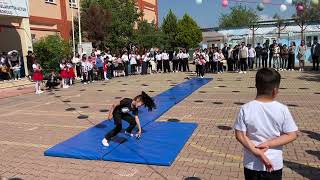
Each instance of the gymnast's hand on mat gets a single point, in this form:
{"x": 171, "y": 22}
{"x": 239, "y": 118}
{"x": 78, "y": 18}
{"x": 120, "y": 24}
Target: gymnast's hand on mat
{"x": 138, "y": 135}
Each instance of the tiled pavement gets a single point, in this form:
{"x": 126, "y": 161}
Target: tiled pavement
{"x": 29, "y": 124}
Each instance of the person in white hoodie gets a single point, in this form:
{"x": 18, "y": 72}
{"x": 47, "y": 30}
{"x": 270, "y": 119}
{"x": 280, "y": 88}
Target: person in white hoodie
{"x": 243, "y": 56}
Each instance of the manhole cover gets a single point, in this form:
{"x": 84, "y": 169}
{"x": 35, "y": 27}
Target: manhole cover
{"x": 303, "y": 88}
{"x": 198, "y": 101}
{"x": 70, "y": 109}
{"x": 251, "y": 87}
{"x": 57, "y": 90}
{"x": 84, "y": 107}
{"x": 144, "y": 85}
{"x": 83, "y": 117}
{"x": 172, "y": 85}
{"x": 173, "y": 120}
{"x": 222, "y": 86}
{"x": 57, "y": 96}
{"x": 66, "y": 101}
{"x": 104, "y": 110}
{"x": 169, "y": 80}
{"x": 203, "y": 92}
{"x": 317, "y": 93}
{"x": 283, "y": 88}
{"x": 235, "y": 91}
{"x": 238, "y": 79}
{"x": 283, "y": 78}
{"x": 239, "y": 103}
{"x": 217, "y": 102}
{"x": 82, "y": 90}
{"x": 118, "y": 97}
{"x": 122, "y": 90}
{"x": 151, "y": 91}
{"x": 226, "y": 128}
{"x": 119, "y": 81}
{"x": 100, "y": 90}
{"x": 192, "y": 178}
{"x": 51, "y": 94}
{"x": 124, "y": 84}
{"x": 292, "y": 105}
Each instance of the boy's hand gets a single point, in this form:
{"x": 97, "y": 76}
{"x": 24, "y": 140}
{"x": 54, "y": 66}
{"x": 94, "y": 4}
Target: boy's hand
{"x": 266, "y": 162}
{"x": 264, "y": 147}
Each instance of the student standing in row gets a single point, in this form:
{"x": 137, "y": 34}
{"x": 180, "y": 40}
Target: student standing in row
{"x": 291, "y": 59}
{"x": 302, "y": 55}
{"x": 251, "y": 56}
{"x": 315, "y": 53}
{"x": 159, "y": 61}
{"x": 166, "y": 64}
{"x": 258, "y": 50}
{"x": 243, "y": 56}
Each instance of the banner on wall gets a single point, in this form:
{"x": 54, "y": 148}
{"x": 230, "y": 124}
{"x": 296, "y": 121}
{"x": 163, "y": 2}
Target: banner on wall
{"x": 17, "y": 8}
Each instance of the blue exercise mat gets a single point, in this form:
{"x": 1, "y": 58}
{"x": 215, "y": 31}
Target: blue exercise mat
{"x": 87, "y": 144}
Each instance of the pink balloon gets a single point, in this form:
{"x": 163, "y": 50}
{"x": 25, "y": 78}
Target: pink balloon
{"x": 225, "y": 3}
{"x": 266, "y": 1}
{"x": 300, "y": 7}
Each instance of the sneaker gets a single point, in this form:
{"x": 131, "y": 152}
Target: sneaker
{"x": 130, "y": 134}
{"x": 84, "y": 83}
{"x": 201, "y": 76}
{"x": 106, "y": 79}
{"x": 240, "y": 72}
{"x": 105, "y": 142}
{"x": 245, "y": 72}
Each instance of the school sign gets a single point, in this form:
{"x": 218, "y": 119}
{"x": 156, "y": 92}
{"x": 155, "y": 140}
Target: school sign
{"x": 18, "y": 8}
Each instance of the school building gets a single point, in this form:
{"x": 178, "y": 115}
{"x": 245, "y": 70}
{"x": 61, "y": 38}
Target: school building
{"x": 24, "y": 21}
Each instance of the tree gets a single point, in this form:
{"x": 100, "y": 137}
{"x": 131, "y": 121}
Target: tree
{"x": 50, "y": 51}
{"x": 95, "y": 22}
{"x": 303, "y": 17}
{"x": 189, "y": 33}
{"x": 124, "y": 16}
{"x": 170, "y": 28}
{"x": 281, "y": 25}
{"x": 146, "y": 35}
{"x": 240, "y": 16}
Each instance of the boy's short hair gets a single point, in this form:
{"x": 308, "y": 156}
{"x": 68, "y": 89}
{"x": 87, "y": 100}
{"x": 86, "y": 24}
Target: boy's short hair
{"x": 266, "y": 80}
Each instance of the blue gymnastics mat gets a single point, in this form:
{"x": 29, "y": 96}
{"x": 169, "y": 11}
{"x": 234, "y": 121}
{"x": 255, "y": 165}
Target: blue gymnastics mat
{"x": 87, "y": 144}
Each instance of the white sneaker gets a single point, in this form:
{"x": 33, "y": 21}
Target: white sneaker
{"x": 240, "y": 72}
{"x": 245, "y": 72}
{"x": 130, "y": 134}
{"x": 106, "y": 79}
{"x": 92, "y": 81}
{"x": 105, "y": 142}
{"x": 84, "y": 83}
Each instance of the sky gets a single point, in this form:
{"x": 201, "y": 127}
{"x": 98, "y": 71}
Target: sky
{"x": 207, "y": 14}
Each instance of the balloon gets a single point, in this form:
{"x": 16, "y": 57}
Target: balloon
{"x": 225, "y": 3}
{"x": 283, "y": 7}
{"x": 300, "y": 7}
{"x": 289, "y": 1}
{"x": 315, "y": 2}
{"x": 266, "y": 1}
{"x": 260, "y": 7}
{"x": 199, "y": 1}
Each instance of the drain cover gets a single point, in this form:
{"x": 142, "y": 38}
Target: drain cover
{"x": 83, "y": 117}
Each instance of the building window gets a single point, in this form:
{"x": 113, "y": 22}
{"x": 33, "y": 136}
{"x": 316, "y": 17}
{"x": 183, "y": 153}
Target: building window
{"x": 73, "y": 3}
{"x": 50, "y": 1}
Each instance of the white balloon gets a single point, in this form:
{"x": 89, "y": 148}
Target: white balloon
{"x": 283, "y": 8}
{"x": 289, "y": 1}
{"x": 199, "y": 1}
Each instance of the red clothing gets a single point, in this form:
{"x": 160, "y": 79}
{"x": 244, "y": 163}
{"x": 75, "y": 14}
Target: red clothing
{"x": 64, "y": 73}
{"x": 105, "y": 67}
{"x": 37, "y": 75}
{"x": 71, "y": 73}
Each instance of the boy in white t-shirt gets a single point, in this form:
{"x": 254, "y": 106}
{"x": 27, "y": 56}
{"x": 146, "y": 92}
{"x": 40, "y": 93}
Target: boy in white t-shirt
{"x": 263, "y": 126}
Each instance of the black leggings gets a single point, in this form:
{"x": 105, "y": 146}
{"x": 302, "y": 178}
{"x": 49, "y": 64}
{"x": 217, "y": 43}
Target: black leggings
{"x": 118, "y": 116}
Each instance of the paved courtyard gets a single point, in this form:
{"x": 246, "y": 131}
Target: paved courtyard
{"x": 30, "y": 124}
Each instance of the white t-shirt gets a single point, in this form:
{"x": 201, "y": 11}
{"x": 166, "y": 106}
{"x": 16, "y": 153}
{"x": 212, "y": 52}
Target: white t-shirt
{"x": 125, "y": 57}
{"x": 165, "y": 56}
{"x": 216, "y": 56}
{"x": 159, "y": 57}
{"x": 251, "y": 53}
{"x": 263, "y": 122}
{"x": 133, "y": 59}
{"x": 185, "y": 56}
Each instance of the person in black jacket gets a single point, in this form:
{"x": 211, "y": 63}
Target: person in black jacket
{"x": 258, "y": 50}
{"x": 271, "y": 52}
{"x": 315, "y": 53}
{"x": 264, "y": 55}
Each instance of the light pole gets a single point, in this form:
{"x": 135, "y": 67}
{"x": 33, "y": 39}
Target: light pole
{"x": 79, "y": 21}
{"x": 73, "y": 38}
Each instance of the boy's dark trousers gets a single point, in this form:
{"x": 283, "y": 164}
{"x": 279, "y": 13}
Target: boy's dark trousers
{"x": 117, "y": 117}
{"x": 262, "y": 175}
{"x": 90, "y": 75}
{"x": 258, "y": 61}
{"x": 243, "y": 64}
{"x": 100, "y": 73}
{"x": 214, "y": 67}
{"x": 180, "y": 62}
{"x": 198, "y": 69}
{"x": 166, "y": 65}
{"x": 175, "y": 64}
{"x": 201, "y": 70}
{"x": 270, "y": 59}
{"x": 126, "y": 71}
{"x": 159, "y": 65}
{"x": 187, "y": 65}
{"x": 264, "y": 61}
{"x": 315, "y": 61}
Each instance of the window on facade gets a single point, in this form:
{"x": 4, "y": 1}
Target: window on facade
{"x": 73, "y": 3}
{"x": 50, "y": 1}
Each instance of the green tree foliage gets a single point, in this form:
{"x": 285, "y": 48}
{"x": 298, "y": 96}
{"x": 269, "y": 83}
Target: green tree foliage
{"x": 240, "y": 16}
{"x": 189, "y": 33}
{"x": 124, "y": 14}
{"x": 170, "y": 29}
{"x": 146, "y": 35}
{"x": 50, "y": 51}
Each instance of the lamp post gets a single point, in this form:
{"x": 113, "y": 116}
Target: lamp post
{"x": 79, "y": 21}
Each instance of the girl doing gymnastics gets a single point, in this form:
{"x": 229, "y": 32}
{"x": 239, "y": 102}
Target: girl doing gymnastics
{"x": 121, "y": 111}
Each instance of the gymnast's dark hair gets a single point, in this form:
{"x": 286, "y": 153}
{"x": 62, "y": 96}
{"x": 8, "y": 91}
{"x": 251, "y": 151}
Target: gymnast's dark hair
{"x": 147, "y": 101}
